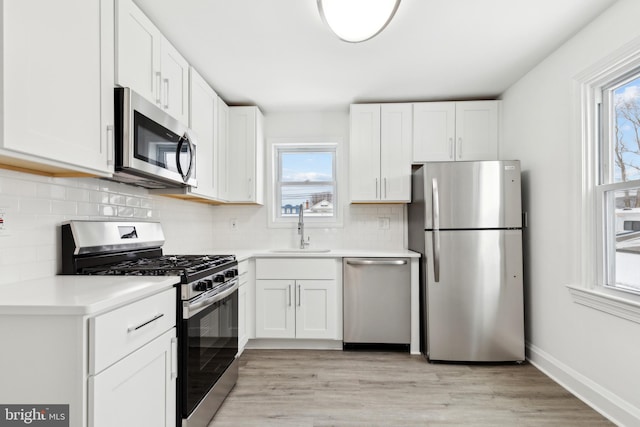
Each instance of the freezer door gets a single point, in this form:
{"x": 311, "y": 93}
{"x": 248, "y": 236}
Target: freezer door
{"x": 475, "y": 309}
{"x": 468, "y": 195}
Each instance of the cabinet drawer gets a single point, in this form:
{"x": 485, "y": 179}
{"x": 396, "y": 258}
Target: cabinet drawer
{"x": 243, "y": 267}
{"x": 296, "y": 268}
{"x": 117, "y": 333}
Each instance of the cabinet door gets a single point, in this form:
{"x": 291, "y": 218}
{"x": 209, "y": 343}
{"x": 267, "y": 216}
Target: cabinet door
{"x": 477, "y": 130}
{"x": 138, "y": 44}
{"x": 395, "y": 152}
{"x": 174, "y": 70}
{"x": 245, "y": 155}
{"x": 58, "y": 82}
{"x": 203, "y": 101}
{"x": 364, "y": 153}
{"x": 434, "y": 127}
{"x": 275, "y": 314}
{"x": 316, "y": 309}
{"x": 139, "y": 390}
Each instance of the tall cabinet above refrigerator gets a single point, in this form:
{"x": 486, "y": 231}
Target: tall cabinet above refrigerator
{"x": 466, "y": 220}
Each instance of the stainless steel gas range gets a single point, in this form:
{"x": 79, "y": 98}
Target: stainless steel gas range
{"x": 207, "y": 307}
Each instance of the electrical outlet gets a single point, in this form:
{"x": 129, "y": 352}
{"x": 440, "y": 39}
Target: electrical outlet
{"x": 4, "y": 229}
{"x": 233, "y": 223}
{"x": 384, "y": 223}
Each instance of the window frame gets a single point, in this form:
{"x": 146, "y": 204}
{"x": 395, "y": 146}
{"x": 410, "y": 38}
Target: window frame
{"x": 606, "y": 186}
{"x": 587, "y": 88}
{"x": 278, "y": 145}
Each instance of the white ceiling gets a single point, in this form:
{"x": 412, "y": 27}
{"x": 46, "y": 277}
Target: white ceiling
{"x": 278, "y": 54}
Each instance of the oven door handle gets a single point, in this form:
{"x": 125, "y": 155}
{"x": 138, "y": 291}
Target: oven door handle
{"x": 191, "y": 309}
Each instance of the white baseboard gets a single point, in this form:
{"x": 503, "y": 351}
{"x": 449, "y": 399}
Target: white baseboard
{"x": 296, "y": 344}
{"x": 617, "y": 410}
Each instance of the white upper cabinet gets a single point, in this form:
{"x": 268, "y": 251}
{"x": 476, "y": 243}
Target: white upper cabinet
{"x": 57, "y": 86}
{"x": 246, "y": 155}
{"x": 203, "y": 118}
{"x": 222, "y": 125}
{"x": 147, "y": 62}
{"x": 380, "y": 153}
{"x": 449, "y": 131}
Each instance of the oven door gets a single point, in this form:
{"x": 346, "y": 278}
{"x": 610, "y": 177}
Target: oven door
{"x": 209, "y": 346}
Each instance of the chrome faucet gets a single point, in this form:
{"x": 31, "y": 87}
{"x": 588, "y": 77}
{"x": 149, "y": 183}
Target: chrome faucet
{"x": 303, "y": 244}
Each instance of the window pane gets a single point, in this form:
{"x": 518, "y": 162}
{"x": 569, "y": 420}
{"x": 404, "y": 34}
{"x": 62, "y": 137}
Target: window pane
{"x": 626, "y": 138}
{"x": 305, "y": 166}
{"x": 624, "y": 243}
{"x": 317, "y": 200}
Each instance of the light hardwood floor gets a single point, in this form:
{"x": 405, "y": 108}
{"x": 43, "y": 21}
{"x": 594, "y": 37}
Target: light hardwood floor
{"x": 334, "y": 388}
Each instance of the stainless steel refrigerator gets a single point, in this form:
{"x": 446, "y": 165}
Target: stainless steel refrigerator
{"x": 466, "y": 220}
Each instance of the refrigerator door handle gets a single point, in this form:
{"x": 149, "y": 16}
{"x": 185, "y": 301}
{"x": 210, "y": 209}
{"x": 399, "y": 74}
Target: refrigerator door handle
{"x": 435, "y": 206}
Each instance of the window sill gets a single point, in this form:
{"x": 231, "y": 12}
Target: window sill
{"x": 620, "y": 304}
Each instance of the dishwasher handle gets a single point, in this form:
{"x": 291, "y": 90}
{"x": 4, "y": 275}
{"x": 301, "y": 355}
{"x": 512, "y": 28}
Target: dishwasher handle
{"x": 377, "y": 261}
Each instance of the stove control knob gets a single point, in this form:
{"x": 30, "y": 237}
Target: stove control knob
{"x": 218, "y": 278}
{"x": 230, "y": 273}
{"x": 200, "y": 286}
{"x": 209, "y": 283}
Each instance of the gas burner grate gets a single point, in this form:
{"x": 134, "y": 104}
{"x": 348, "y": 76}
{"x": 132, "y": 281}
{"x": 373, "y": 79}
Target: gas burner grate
{"x": 165, "y": 265}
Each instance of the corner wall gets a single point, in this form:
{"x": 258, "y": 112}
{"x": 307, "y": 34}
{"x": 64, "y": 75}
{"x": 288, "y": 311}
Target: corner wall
{"x": 592, "y": 353}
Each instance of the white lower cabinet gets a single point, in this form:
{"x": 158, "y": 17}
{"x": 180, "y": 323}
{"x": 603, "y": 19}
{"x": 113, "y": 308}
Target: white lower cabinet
{"x": 296, "y": 309}
{"x": 133, "y": 364}
{"x": 297, "y": 298}
{"x": 113, "y": 368}
{"x": 139, "y": 390}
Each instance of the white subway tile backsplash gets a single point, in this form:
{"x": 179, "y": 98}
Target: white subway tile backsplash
{"x": 99, "y": 197}
{"x": 132, "y": 201}
{"x": 146, "y": 203}
{"x": 125, "y": 211}
{"x": 59, "y": 207}
{"x": 19, "y": 187}
{"x": 50, "y": 191}
{"x": 117, "y": 199}
{"x": 35, "y": 206}
{"x": 78, "y": 194}
{"x": 88, "y": 209}
{"x": 106, "y": 210}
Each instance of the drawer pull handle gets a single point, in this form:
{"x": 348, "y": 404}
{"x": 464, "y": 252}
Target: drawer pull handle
{"x": 135, "y": 328}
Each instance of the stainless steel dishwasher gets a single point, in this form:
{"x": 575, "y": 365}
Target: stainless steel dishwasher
{"x": 377, "y": 303}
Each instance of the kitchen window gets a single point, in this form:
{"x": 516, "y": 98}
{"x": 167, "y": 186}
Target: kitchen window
{"x": 608, "y": 102}
{"x": 305, "y": 177}
{"x": 618, "y": 189}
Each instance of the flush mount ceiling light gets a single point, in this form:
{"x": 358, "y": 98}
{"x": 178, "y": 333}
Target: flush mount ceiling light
{"x": 357, "y": 20}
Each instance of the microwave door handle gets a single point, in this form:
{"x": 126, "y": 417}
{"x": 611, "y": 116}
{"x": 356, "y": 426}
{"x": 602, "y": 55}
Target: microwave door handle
{"x": 192, "y": 152}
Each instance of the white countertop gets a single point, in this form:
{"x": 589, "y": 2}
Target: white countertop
{"x": 243, "y": 254}
{"x": 78, "y": 295}
{"x": 90, "y": 295}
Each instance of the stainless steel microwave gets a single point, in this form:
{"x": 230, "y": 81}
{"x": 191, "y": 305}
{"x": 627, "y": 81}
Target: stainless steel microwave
{"x": 152, "y": 149}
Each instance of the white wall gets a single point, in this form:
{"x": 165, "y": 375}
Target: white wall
{"x": 595, "y": 354}
{"x": 360, "y": 222}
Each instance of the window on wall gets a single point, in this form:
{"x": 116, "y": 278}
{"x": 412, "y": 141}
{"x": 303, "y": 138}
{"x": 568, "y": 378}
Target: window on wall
{"x": 618, "y": 188}
{"x": 305, "y": 179}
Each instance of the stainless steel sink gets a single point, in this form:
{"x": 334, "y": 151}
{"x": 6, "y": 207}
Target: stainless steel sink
{"x": 300, "y": 251}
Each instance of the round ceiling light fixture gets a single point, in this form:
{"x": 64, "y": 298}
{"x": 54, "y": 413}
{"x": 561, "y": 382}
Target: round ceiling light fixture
{"x": 357, "y": 20}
